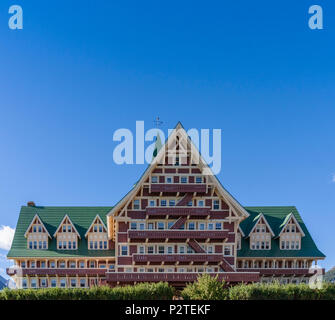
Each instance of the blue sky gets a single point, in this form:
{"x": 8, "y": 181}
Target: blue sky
{"x": 79, "y": 70}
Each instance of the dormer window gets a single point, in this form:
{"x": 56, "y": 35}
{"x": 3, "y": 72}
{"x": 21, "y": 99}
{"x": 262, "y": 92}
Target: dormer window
{"x": 67, "y": 235}
{"x": 261, "y": 234}
{"x": 291, "y": 234}
{"x": 37, "y": 235}
{"x": 97, "y": 238}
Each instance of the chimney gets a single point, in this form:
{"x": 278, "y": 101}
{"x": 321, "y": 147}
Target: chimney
{"x": 31, "y": 204}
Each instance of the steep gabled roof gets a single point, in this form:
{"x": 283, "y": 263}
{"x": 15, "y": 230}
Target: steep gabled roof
{"x": 237, "y": 207}
{"x": 257, "y": 219}
{"x": 62, "y": 222}
{"x": 96, "y": 217}
{"x": 275, "y": 217}
{"x": 287, "y": 220}
{"x": 31, "y": 223}
{"x": 81, "y": 217}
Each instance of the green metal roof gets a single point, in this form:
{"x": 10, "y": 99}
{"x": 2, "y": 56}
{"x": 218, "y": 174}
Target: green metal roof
{"x": 276, "y": 217}
{"x": 81, "y": 217}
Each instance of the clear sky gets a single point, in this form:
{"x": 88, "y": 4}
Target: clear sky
{"x": 79, "y": 70}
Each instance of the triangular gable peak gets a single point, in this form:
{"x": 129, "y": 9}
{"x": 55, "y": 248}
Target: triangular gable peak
{"x": 67, "y": 220}
{"x": 181, "y": 141}
{"x": 261, "y": 220}
{"x": 95, "y": 220}
{"x": 37, "y": 220}
{"x": 291, "y": 218}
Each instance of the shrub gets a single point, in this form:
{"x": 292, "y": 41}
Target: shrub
{"x": 142, "y": 291}
{"x": 205, "y": 288}
{"x": 278, "y": 291}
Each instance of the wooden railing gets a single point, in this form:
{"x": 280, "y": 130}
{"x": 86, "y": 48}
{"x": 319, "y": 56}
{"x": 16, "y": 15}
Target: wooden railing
{"x": 178, "y": 211}
{"x": 179, "y": 277}
{"x": 178, "y": 187}
{"x": 177, "y": 234}
{"x": 61, "y": 271}
{"x": 280, "y": 271}
{"x": 156, "y": 258}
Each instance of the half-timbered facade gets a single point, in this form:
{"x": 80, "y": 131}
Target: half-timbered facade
{"x": 177, "y": 222}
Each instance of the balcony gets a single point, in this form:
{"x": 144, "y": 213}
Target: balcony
{"x": 178, "y": 211}
{"x": 173, "y": 258}
{"x": 135, "y": 235}
{"x": 281, "y": 271}
{"x": 62, "y": 272}
{"x": 178, "y": 187}
{"x": 179, "y": 277}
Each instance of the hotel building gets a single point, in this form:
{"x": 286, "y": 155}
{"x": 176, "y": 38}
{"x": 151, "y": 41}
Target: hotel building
{"x": 177, "y": 222}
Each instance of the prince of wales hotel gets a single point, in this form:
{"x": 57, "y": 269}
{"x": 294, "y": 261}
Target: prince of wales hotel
{"x": 177, "y": 222}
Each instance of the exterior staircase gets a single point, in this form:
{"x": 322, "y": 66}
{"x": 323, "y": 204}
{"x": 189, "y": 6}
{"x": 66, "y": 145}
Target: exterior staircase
{"x": 179, "y": 223}
{"x": 196, "y": 246}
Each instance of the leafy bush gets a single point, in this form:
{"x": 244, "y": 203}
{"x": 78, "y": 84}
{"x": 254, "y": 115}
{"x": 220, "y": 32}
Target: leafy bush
{"x": 142, "y": 291}
{"x": 278, "y": 291}
{"x": 205, "y": 288}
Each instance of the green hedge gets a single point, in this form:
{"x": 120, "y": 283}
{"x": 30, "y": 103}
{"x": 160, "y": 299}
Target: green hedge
{"x": 205, "y": 288}
{"x": 142, "y": 291}
{"x": 277, "y": 291}
{"x": 209, "y": 288}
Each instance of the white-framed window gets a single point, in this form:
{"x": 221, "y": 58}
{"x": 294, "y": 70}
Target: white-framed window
{"x": 170, "y": 249}
{"x": 62, "y": 283}
{"x": 133, "y": 225}
{"x": 141, "y": 250}
{"x": 210, "y": 249}
{"x": 227, "y": 250}
{"x": 82, "y": 283}
{"x": 43, "y": 282}
{"x": 152, "y": 203}
{"x": 163, "y": 203}
{"x": 210, "y": 226}
{"x": 181, "y": 249}
{"x": 24, "y": 283}
{"x": 160, "y": 225}
{"x": 168, "y": 179}
{"x": 216, "y": 204}
{"x": 154, "y": 179}
{"x": 53, "y": 283}
{"x": 33, "y": 283}
{"x": 150, "y": 249}
{"x": 124, "y": 250}
{"x": 198, "y": 179}
{"x": 183, "y": 179}
{"x": 172, "y": 203}
{"x": 190, "y": 203}
{"x": 73, "y": 283}
{"x": 136, "y": 204}
{"x": 141, "y": 226}
{"x": 201, "y": 226}
{"x": 161, "y": 249}
{"x": 191, "y": 226}
{"x": 218, "y": 226}
{"x": 201, "y": 203}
